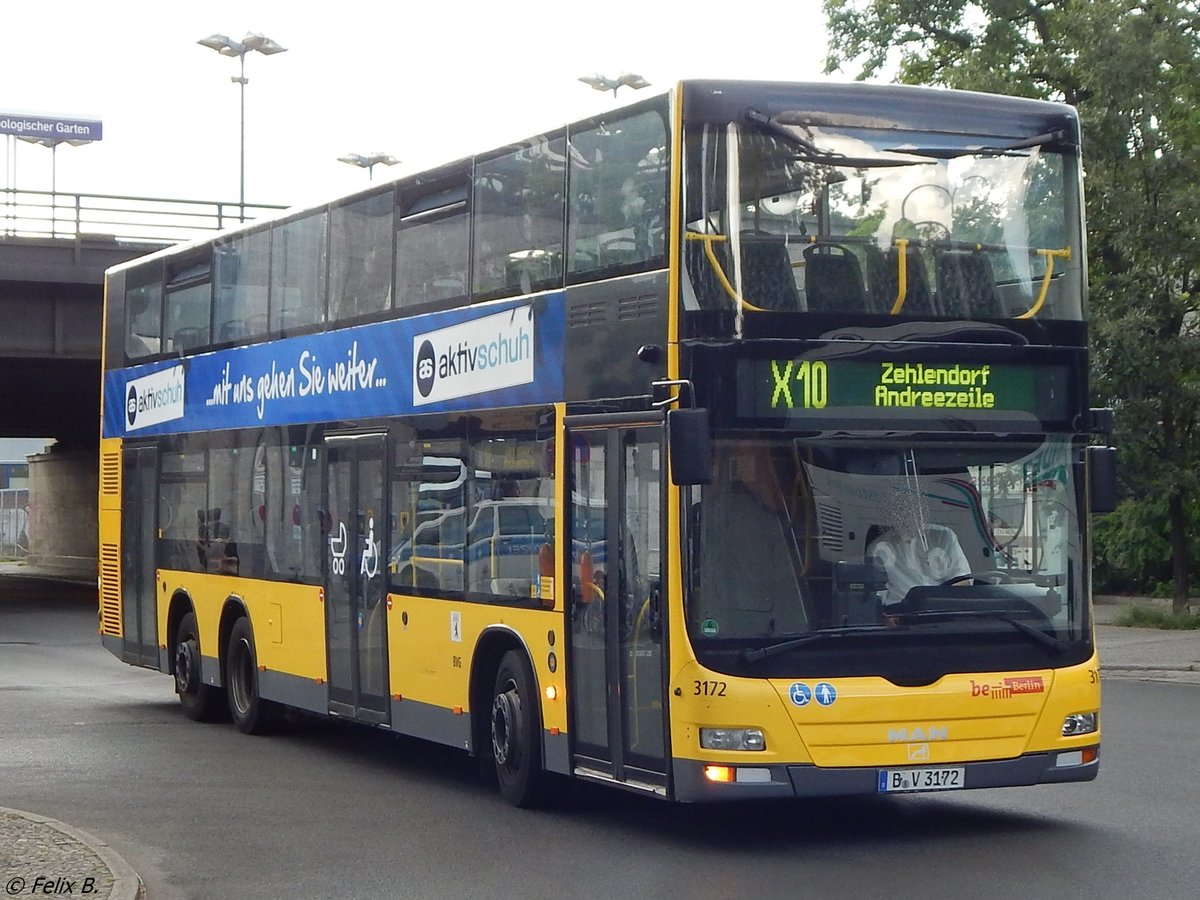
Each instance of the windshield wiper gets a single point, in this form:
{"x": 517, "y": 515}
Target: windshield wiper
{"x": 1024, "y": 627}
{"x": 813, "y": 153}
{"x": 759, "y": 653}
{"x": 1037, "y": 140}
{"x": 765, "y": 123}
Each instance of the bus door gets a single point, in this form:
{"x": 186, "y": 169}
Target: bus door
{"x": 139, "y": 530}
{"x": 355, "y": 605}
{"x": 617, "y": 646}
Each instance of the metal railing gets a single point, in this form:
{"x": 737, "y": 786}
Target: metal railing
{"x": 109, "y": 217}
{"x": 14, "y": 518}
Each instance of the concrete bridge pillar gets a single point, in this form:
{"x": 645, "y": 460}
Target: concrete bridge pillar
{"x": 63, "y": 512}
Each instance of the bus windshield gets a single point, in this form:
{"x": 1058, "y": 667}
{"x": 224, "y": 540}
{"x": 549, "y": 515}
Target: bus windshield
{"x": 796, "y": 538}
{"x": 811, "y": 213}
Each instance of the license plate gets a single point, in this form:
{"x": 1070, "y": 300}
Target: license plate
{"x": 924, "y": 779}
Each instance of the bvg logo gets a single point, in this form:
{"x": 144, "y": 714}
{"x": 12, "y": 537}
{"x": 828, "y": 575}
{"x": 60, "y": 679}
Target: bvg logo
{"x": 131, "y": 406}
{"x": 426, "y": 368}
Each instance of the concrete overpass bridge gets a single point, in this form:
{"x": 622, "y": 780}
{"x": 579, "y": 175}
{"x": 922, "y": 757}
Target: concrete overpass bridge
{"x": 54, "y": 248}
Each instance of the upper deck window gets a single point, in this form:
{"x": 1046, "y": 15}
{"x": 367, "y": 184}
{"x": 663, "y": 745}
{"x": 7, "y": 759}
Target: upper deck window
{"x": 811, "y": 213}
{"x": 433, "y": 240}
{"x": 360, "y": 273}
{"x": 519, "y": 209}
{"x": 143, "y": 320}
{"x": 618, "y": 194}
{"x": 299, "y": 263}
{"x": 187, "y": 306}
{"x": 242, "y": 285}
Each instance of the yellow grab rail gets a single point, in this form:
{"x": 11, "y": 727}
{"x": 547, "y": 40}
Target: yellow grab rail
{"x": 1050, "y": 255}
{"x": 902, "y": 273}
{"x": 708, "y": 240}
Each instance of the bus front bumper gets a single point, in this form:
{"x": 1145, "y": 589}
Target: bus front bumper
{"x": 750, "y": 782}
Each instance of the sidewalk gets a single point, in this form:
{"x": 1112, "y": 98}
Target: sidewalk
{"x": 19, "y": 569}
{"x": 1150, "y": 654}
{"x": 41, "y": 856}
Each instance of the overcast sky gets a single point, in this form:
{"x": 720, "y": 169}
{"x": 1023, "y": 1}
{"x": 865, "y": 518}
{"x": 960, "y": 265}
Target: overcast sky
{"x": 424, "y": 81}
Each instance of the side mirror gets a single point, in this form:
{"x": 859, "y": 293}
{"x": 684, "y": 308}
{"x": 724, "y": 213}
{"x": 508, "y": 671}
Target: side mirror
{"x": 1101, "y": 421}
{"x": 689, "y": 446}
{"x": 1102, "y": 479}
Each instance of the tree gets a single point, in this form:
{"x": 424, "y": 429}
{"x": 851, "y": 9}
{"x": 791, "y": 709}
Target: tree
{"x": 1133, "y": 71}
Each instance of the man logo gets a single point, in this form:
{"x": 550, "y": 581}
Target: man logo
{"x": 426, "y": 368}
{"x": 131, "y": 405}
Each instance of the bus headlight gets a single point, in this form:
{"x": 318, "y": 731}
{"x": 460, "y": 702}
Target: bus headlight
{"x": 1079, "y": 723}
{"x": 732, "y": 739}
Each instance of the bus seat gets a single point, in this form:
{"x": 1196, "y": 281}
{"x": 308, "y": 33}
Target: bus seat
{"x": 966, "y": 285}
{"x": 883, "y": 270}
{"x": 230, "y": 331}
{"x": 767, "y": 275}
{"x": 705, "y": 282}
{"x": 833, "y": 280}
{"x": 187, "y": 339}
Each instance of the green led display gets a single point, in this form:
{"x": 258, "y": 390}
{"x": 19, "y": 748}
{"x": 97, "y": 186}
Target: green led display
{"x": 812, "y": 386}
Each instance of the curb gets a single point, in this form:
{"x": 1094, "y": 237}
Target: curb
{"x": 1136, "y": 667}
{"x": 127, "y": 884}
{"x": 1146, "y": 667}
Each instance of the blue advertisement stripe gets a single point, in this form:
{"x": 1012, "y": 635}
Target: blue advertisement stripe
{"x": 361, "y": 372}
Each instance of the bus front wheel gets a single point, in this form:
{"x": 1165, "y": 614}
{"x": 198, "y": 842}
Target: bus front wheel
{"x": 200, "y": 702}
{"x": 251, "y": 714}
{"x": 516, "y": 733}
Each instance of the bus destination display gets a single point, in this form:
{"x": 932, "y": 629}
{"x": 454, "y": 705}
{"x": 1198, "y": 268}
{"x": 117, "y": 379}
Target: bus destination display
{"x": 812, "y": 387}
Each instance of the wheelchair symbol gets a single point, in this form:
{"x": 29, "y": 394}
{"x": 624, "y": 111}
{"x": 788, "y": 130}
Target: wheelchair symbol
{"x": 800, "y": 693}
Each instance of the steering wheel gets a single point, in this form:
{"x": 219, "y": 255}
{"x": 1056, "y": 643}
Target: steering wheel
{"x": 931, "y": 230}
{"x": 992, "y": 576}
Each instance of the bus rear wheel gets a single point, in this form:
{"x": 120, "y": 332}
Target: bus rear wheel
{"x": 516, "y": 733}
{"x": 200, "y": 702}
{"x": 251, "y": 714}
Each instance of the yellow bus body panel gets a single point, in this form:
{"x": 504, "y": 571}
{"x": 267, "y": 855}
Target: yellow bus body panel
{"x": 871, "y": 722}
{"x": 288, "y": 620}
{"x": 431, "y": 646}
{"x": 109, "y": 506}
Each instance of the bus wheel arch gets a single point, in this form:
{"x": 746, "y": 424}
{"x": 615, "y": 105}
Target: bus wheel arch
{"x": 239, "y": 661}
{"x": 200, "y": 702}
{"x": 506, "y": 718}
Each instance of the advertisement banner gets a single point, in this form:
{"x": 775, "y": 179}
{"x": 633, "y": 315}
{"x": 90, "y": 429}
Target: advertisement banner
{"x": 511, "y": 355}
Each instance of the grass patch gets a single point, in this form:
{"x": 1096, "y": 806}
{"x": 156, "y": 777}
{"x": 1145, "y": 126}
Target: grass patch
{"x": 1155, "y": 617}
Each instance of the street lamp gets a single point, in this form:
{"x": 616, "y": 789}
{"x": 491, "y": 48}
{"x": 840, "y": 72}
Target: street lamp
{"x": 369, "y": 161}
{"x": 227, "y": 46}
{"x": 625, "y": 79}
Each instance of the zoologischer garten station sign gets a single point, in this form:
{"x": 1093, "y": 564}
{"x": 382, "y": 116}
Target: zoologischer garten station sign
{"x": 52, "y": 129}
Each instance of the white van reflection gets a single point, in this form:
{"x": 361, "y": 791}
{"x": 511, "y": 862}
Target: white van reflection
{"x": 498, "y": 552}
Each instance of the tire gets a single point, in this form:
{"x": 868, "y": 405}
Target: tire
{"x": 516, "y": 733}
{"x": 200, "y": 702}
{"x": 251, "y": 714}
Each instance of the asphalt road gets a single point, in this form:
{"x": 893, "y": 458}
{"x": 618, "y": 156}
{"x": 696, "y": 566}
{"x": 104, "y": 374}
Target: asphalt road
{"x": 324, "y": 810}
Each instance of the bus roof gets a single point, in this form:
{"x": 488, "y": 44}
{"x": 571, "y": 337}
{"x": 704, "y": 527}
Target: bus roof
{"x": 885, "y": 106}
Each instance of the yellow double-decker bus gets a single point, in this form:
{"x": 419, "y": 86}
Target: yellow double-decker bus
{"x": 733, "y": 444}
